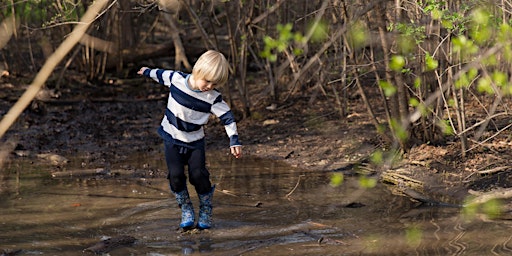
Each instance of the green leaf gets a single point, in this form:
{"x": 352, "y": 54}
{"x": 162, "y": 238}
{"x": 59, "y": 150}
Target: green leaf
{"x": 357, "y": 35}
{"x": 436, "y": 14}
{"x": 430, "y": 62}
{"x": 492, "y": 208}
{"x": 377, "y": 157}
{"x": 480, "y": 16}
{"x": 417, "y": 83}
{"x": 399, "y": 131}
{"x": 413, "y": 102}
{"x": 499, "y": 78}
{"x": 366, "y": 182}
{"x": 397, "y": 62}
{"x": 337, "y": 179}
{"x": 319, "y": 31}
{"x": 445, "y": 127}
{"x": 484, "y": 85}
{"x": 388, "y": 88}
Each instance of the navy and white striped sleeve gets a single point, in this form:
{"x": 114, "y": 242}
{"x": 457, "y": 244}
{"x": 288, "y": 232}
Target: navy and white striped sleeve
{"x": 160, "y": 75}
{"x": 221, "y": 109}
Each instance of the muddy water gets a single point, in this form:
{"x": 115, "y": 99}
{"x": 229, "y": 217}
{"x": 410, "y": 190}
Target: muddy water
{"x": 261, "y": 208}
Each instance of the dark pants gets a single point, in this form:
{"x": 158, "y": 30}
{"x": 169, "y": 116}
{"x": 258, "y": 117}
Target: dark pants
{"x": 177, "y": 157}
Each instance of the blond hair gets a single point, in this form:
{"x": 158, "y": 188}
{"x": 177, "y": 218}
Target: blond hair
{"x": 212, "y": 66}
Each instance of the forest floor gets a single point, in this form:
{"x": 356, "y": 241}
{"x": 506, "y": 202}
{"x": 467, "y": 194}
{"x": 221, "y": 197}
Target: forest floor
{"x": 106, "y": 123}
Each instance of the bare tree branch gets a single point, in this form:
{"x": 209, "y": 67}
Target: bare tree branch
{"x": 50, "y": 65}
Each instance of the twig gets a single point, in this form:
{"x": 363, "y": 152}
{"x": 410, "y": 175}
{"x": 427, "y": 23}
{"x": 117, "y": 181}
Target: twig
{"x": 495, "y": 169}
{"x": 296, "y": 185}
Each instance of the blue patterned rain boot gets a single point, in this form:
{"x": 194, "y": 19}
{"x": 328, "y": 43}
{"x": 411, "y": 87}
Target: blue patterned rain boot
{"x": 187, "y": 209}
{"x": 205, "y": 210}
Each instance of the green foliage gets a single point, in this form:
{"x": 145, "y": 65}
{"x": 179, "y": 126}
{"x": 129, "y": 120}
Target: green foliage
{"x": 357, "y": 35}
{"x": 388, "y": 88}
{"x": 397, "y": 62}
{"x": 413, "y": 235}
{"x": 41, "y": 13}
{"x": 466, "y": 79}
{"x": 454, "y": 21}
{"x": 319, "y": 31}
{"x": 399, "y": 131}
{"x": 484, "y": 85}
{"x": 430, "y": 62}
{"x": 481, "y": 30}
{"x": 409, "y": 31}
{"x": 337, "y": 179}
{"x": 465, "y": 47}
{"x": 377, "y": 157}
{"x": 286, "y": 38}
{"x": 446, "y": 127}
{"x": 367, "y": 182}
{"x": 414, "y": 102}
{"x": 492, "y": 209}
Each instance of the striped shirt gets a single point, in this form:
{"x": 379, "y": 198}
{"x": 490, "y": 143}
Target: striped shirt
{"x": 189, "y": 110}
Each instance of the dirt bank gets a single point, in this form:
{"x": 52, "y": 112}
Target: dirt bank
{"x": 103, "y": 124}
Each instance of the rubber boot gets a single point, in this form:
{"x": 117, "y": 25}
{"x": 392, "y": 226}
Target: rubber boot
{"x": 205, "y": 210}
{"x": 187, "y": 209}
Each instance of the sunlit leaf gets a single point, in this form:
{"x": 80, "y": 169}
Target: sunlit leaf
{"x": 447, "y": 24}
{"x": 484, "y": 85}
{"x": 377, "y": 157}
{"x": 413, "y": 102}
{"x": 499, "y": 78}
{"x": 430, "y": 62}
{"x": 406, "y": 44}
{"x": 446, "y": 127}
{"x": 436, "y": 14}
{"x": 337, "y": 179}
{"x": 399, "y": 131}
{"x": 357, "y": 35}
{"x": 463, "y": 81}
{"x": 492, "y": 208}
{"x": 480, "y": 16}
{"x": 388, "y": 88}
{"x": 366, "y": 182}
{"x": 482, "y": 35}
{"x": 451, "y": 102}
{"x": 397, "y": 62}
{"x": 505, "y": 33}
{"x": 319, "y": 31}
{"x": 417, "y": 82}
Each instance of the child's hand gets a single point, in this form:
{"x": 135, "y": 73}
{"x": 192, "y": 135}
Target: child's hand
{"x": 141, "y": 70}
{"x": 236, "y": 151}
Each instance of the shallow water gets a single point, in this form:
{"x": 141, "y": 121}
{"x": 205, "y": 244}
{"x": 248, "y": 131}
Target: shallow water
{"x": 261, "y": 207}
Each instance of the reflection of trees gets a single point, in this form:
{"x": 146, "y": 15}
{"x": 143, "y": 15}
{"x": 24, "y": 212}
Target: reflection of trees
{"x": 262, "y": 178}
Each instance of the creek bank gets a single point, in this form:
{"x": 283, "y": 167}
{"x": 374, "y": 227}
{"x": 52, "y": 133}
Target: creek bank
{"x": 105, "y": 124}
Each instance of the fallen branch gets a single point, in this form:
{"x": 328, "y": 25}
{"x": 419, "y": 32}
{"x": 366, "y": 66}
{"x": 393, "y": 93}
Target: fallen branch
{"x": 487, "y": 196}
{"x": 494, "y": 170}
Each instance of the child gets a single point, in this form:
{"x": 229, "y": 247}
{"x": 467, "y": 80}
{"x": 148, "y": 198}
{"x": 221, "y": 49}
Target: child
{"x": 192, "y": 99}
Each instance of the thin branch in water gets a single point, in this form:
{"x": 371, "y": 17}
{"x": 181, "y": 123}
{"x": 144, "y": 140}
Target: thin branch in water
{"x": 296, "y": 185}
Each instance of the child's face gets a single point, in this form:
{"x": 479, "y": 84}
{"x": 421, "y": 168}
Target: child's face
{"x": 204, "y": 85}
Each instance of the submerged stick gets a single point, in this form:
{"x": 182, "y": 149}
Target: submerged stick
{"x": 296, "y": 185}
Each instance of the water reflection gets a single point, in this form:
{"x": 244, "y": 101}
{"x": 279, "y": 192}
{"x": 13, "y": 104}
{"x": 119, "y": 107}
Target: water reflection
{"x": 261, "y": 207}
